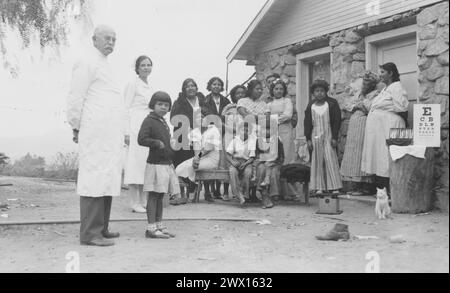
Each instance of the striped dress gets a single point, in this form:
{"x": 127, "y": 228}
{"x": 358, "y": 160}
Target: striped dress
{"x": 324, "y": 166}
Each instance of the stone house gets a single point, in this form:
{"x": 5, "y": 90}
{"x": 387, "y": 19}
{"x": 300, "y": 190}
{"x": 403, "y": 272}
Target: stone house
{"x": 338, "y": 39}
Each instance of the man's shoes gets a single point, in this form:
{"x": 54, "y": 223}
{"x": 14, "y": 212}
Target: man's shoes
{"x": 226, "y": 197}
{"x": 339, "y": 232}
{"x": 98, "y": 242}
{"x": 156, "y": 234}
{"x": 110, "y": 235}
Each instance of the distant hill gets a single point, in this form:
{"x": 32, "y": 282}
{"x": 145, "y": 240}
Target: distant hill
{"x": 46, "y": 145}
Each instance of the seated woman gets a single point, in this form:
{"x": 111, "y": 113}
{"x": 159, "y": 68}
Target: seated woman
{"x": 384, "y": 114}
{"x": 241, "y": 154}
{"x": 359, "y": 105}
{"x": 207, "y": 145}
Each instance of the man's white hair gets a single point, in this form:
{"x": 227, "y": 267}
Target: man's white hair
{"x": 102, "y": 28}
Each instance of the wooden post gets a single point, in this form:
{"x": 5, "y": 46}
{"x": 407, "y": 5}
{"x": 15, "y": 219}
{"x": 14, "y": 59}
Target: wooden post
{"x": 411, "y": 181}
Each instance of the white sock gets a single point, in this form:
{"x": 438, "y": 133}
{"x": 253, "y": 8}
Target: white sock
{"x": 159, "y": 225}
{"x": 151, "y": 227}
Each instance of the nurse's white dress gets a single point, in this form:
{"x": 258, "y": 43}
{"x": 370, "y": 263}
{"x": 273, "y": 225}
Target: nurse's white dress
{"x": 137, "y": 98}
{"x": 95, "y": 107}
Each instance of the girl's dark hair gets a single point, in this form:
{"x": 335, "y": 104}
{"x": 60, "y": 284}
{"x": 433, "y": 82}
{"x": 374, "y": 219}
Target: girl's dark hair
{"x": 160, "y": 97}
{"x": 320, "y": 83}
{"x": 185, "y": 84}
{"x": 139, "y": 61}
{"x": 274, "y": 84}
{"x": 392, "y": 68}
{"x": 212, "y": 80}
{"x": 234, "y": 91}
{"x": 251, "y": 86}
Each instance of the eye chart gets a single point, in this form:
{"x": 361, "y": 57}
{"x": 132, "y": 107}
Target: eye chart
{"x": 427, "y": 125}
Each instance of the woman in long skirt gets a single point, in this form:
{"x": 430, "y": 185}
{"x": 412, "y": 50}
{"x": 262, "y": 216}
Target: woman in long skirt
{"x": 359, "y": 105}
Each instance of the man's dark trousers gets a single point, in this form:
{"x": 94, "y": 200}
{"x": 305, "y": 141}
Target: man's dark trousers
{"x": 94, "y": 215}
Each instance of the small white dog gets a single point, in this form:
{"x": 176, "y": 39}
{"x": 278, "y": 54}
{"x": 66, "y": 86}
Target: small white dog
{"x": 382, "y": 209}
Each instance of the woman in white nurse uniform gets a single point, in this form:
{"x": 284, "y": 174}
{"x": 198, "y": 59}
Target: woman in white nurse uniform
{"x": 137, "y": 97}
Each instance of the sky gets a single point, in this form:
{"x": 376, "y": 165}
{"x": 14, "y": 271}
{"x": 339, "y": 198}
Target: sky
{"x": 184, "y": 38}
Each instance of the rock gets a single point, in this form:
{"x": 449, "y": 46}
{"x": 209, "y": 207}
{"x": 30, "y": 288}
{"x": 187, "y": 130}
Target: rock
{"x": 443, "y": 34}
{"x": 422, "y": 46}
{"x": 292, "y": 89}
{"x": 443, "y": 58}
{"x": 348, "y": 59}
{"x": 346, "y": 49}
{"x": 290, "y": 59}
{"x": 435, "y": 73}
{"x": 441, "y": 86}
{"x": 274, "y": 60}
{"x": 436, "y": 47}
{"x": 358, "y": 68}
{"x": 290, "y": 70}
{"x": 428, "y": 32}
{"x": 443, "y": 19}
{"x": 361, "y": 47}
{"x": 359, "y": 57}
{"x": 336, "y": 41}
{"x": 424, "y": 63}
{"x": 427, "y": 16}
{"x": 397, "y": 239}
{"x": 352, "y": 37}
{"x": 426, "y": 90}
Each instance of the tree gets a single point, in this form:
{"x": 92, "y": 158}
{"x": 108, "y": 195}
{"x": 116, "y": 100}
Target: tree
{"x": 3, "y": 160}
{"x": 50, "y": 20}
{"x": 28, "y": 166}
{"x": 64, "y": 166}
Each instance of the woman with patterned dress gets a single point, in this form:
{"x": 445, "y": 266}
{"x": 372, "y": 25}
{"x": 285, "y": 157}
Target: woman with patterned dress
{"x": 359, "y": 105}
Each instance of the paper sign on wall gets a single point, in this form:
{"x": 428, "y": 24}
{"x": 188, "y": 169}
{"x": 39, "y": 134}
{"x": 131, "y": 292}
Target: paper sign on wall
{"x": 427, "y": 125}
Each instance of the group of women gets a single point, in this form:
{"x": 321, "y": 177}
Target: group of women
{"x": 375, "y": 110}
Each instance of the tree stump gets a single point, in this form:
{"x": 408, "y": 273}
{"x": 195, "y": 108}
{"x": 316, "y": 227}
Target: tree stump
{"x": 411, "y": 181}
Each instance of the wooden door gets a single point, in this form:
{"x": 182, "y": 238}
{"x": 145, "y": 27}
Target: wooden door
{"x": 403, "y": 52}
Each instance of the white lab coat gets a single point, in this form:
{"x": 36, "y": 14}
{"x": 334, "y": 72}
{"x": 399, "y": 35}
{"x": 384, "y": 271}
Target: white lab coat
{"x": 95, "y": 107}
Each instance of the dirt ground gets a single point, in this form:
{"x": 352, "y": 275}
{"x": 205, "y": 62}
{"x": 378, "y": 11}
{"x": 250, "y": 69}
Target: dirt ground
{"x": 287, "y": 244}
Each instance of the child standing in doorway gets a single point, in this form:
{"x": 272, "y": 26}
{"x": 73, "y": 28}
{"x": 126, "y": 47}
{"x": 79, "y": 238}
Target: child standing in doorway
{"x": 160, "y": 178}
{"x": 322, "y": 124}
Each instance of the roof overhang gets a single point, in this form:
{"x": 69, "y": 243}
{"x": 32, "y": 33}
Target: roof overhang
{"x": 243, "y": 48}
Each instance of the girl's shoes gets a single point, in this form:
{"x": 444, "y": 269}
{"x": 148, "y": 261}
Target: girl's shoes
{"x": 166, "y": 232}
{"x": 226, "y": 197}
{"x": 156, "y": 234}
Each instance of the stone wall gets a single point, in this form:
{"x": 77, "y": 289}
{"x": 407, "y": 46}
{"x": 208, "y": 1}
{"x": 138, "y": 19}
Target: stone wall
{"x": 433, "y": 51}
{"x": 348, "y": 62}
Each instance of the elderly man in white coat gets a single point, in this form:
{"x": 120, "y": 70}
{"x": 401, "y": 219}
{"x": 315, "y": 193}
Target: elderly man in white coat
{"x": 96, "y": 114}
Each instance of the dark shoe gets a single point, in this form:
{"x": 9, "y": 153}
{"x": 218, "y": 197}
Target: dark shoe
{"x": 217, "y": 195}
{"x": 339, "y": 232}
{"x": 209, "y": 198}
{"x": 110, "y": 235}
{"x": 156, "y": 234}
{"x": 99, "y": 242}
